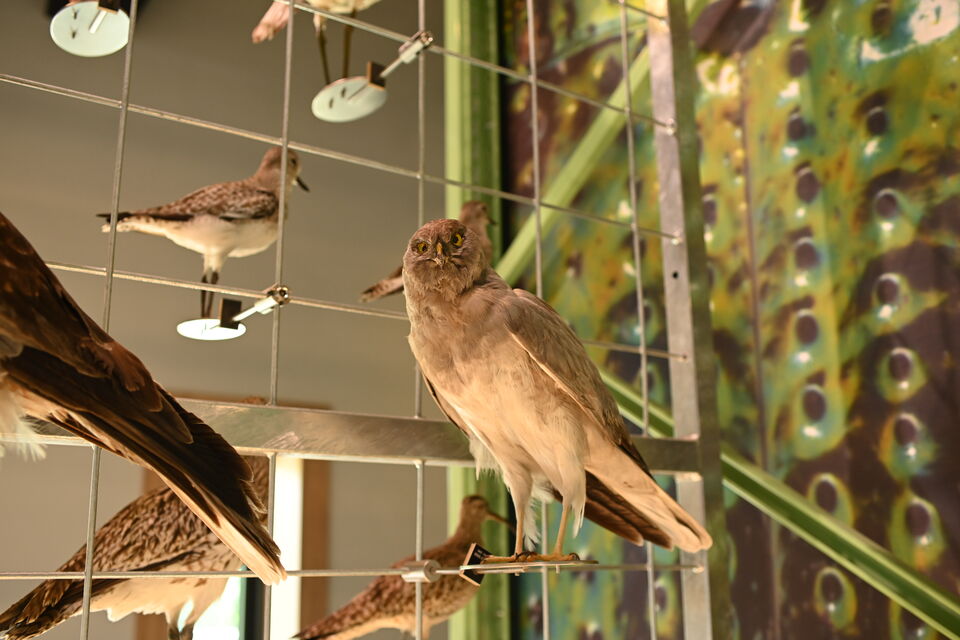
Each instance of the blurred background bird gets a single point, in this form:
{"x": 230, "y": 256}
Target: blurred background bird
{"x": 224, "y": 220}
{"x": 474, "y": 215}
{"x": 57, "y": 365}
{"x": 155, "y": 532}
{"x": 390, "y": 603}
{"x": 278, "y": 15}
{"x": 505, "y": 368}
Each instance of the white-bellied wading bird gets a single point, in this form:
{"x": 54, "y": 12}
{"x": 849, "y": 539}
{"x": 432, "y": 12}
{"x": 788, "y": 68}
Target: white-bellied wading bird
{"x": 390, "y": 603}
{"x": 505, "y": 368}
{"x": 224, "y": 220}
{"x": 474, "y": 215}
{"x": 58, "y": 365}
{"x": 155, "y": 532}
{"x": 278, "y": 15}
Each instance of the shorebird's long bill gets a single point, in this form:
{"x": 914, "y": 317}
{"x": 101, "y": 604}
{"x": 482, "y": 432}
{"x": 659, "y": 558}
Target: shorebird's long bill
{"x": 302, "y": 184}
{"x": 493, "y": 516}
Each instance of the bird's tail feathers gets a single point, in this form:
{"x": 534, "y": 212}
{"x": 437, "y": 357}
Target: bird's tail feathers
{"x": 13, "y": 422}
{"x": 382, "y": 289}
{"x": 628, "y": 491}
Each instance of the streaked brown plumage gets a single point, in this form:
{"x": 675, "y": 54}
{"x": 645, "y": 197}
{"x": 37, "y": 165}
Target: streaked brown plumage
{"x": 224, "y": 220}
{"x": 506, "y": 369}
{"x": 156, "y": 532}
{"x": 474, "y": 215}
{"x": 57, "y": 365}
{"x": 389, "y": 603}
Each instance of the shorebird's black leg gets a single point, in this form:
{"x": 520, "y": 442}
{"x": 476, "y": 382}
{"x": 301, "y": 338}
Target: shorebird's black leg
{"x": 347, "y": 35}
{"x": 203, "y": 297}
{"x": 322, "y": 43}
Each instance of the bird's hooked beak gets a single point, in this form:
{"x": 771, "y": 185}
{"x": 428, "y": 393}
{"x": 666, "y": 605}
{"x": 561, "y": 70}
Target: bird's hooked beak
{"x": 441, "y": 257}
{"x": 493, "y": 516}
{"x": 302, "y": 184}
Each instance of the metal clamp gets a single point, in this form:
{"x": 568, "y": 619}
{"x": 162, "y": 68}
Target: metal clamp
{"x": 421, "y": 571}
{"x": 409, "y": 50}
{"x": 231, "y": 316}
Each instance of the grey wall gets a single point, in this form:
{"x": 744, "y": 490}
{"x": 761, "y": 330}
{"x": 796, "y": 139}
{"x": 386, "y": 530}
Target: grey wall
{"x": 56, "y": 155}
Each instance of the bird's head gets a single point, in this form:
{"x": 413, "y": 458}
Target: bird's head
{"x": 443, "y": 257}
{"x": 476, "y": 509}
{"x": 268, "y": 174}
{"x": 475, "y": 214}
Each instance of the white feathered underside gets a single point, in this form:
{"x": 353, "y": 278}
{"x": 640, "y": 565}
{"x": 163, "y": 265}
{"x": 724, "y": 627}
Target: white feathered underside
{"x": 12, "y": 421}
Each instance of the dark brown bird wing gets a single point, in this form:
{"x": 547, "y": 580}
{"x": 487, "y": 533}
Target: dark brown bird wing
{"x": 106, "y": 395}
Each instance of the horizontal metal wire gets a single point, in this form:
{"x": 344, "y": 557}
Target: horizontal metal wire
{"x": 396, "y": 36}
{"x": 626, "y": 348}
{"x": 234, "y": 291}
{"x": 319, "y": 573}
{"x": 322, "y": 152}
{"x": 312, "y": 303}
{"x": 641, "y": 10}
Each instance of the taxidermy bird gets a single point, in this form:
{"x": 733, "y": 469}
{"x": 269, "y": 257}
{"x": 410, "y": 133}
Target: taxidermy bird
{"x": 57, "y": 365}
{"x": 225, "y": 220}
{"x": 474, "y": 215}
{"x": 505, "y": 368}
{"x": 155, "y": 532}
{"x": 390, "y": 603}
{"x": 278, "y": 15}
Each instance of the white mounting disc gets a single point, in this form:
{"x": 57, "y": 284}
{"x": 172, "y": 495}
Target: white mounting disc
{"x": 208, "y": 329}
{"x": 84, "y": 29}
{"x": 348, "y": 99}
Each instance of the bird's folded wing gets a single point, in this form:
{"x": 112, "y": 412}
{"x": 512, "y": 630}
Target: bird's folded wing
{"x": 553, "y": 346}
{"x": 108, "y": 397}
{"x": 153, "y": 532}
{"x": 228, "y": 200}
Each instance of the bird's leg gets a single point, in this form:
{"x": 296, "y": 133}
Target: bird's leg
{"x": 203, "y": 297}
{"x": 173, "y": 633}
{"x": 322, "y": 43}
{"x": 347, "y": 34}
{"x": 520, "y": 488}
{"x": 557, "y": 555}
{"x": 187, "y": 632}
{"x": 207, "y": 311}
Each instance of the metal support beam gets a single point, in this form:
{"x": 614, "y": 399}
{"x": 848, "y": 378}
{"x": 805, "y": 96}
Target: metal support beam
{"x": 706, "y": 595}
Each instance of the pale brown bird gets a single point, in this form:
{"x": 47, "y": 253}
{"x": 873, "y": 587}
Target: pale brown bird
{"x": 474, "y": 215}
{"x": 155, "y": 532}
{"x": 506, "y": 369}
{"x": 278, "y": 15}
{"x": 224, "y": 220}
{"x": 57, "y": 365}
{"x": 390, "y": 603}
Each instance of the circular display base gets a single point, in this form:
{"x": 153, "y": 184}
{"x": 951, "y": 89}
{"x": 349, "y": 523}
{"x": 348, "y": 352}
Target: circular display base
{"x": 348, "y": 99}
{"x": 83, "y": 29}
{"x": 208, "y": 329}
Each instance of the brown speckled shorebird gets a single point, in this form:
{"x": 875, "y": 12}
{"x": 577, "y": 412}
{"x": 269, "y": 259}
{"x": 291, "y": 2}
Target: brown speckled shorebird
{"x": 58, "y": 365}
{"x": 154, "y": 532}
{"x": 390, "y": 603}
{"x": 474, "y": 215}
{"x": 224, "y": 220}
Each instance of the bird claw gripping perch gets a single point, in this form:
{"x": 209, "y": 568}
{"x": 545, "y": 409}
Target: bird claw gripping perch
{"x": 421, "y": 571}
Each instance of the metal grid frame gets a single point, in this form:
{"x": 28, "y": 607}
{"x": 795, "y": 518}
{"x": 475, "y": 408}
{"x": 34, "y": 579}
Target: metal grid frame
{"x": 692, "y": 457}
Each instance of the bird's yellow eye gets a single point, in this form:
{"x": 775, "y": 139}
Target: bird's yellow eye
{"x": 421, "y": 247}
{"x": 457, "y": 239}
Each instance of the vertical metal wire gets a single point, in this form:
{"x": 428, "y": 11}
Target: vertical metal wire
{"x": 538, "y": 260}
{"x": 281, "y": 222}
{"x": 421, "y": 172}
{"x": 545, "y": 576}
{"x": 638, "y": 275}
{"x": 94, "y": 496}
{"x": 535, "y": 141}
{"x": 271, "y": 499}
{"x": 419, "y": 550}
